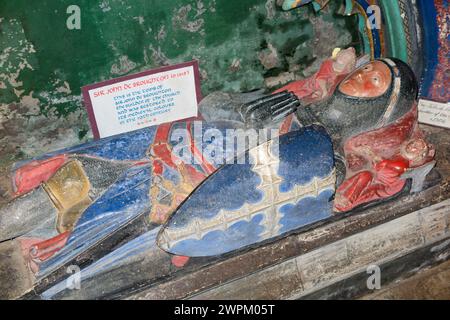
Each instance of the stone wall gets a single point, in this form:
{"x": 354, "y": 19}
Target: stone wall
{"x": 241, "y": 45}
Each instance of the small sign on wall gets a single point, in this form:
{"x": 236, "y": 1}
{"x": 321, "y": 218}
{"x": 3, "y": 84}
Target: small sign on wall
{"x": 144, "y": 99}
{"x": 434, "y": 113}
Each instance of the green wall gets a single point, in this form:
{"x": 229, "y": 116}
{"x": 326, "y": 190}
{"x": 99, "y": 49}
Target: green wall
{"x": 241, "y": 45}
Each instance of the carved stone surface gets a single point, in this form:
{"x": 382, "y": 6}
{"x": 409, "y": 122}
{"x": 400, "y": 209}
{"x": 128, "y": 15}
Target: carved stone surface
{"x": 243, "y": 204}
{"x": 217, "y": 208}
{"x": 100, "y": 205}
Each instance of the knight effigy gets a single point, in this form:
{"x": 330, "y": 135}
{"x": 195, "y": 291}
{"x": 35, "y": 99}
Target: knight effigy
{"x": 342, "y": 140}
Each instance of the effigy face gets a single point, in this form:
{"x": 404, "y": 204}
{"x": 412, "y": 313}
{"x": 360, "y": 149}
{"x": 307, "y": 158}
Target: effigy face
{"x": 370, "y": 81}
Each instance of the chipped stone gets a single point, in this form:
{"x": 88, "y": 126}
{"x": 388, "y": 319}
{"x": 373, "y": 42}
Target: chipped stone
{"x": 124, "y": 66}
{"x": 269, "y": 57}
{"x": 180, "y": 20}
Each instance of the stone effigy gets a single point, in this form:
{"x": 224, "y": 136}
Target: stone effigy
{"x": 346, "y": 139}
{"x": 70, "y": 200}
{"x": 372, "y": 121}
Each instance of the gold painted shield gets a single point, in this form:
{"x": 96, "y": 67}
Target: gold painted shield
{"x": 69, "y": 191}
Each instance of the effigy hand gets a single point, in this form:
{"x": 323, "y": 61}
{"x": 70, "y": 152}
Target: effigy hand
{"x": 321, "y": 85}
{"x": 269, "y": 109}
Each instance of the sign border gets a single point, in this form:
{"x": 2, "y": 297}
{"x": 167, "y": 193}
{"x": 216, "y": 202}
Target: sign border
{"x": 87, "y": 99}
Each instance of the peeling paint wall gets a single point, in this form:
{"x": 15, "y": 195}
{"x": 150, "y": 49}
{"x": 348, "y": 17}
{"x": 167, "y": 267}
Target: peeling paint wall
{"x": 241, "y": 45}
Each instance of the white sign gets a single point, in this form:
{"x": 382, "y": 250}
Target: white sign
{"x": 434, "y": 113}
{"x": 142, "y": 100}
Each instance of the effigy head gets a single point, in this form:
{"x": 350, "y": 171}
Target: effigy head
{"x": 378, "y": 78}
{"x": 370, "y": 80}
{"x": 375, "y": 95}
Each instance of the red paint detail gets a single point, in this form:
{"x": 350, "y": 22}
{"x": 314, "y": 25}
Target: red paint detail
{"x": 387, "y": 141}
{"x": 375, "y": 164}
{"x": 36, "y": 250}
{"x": 141, "y": 163}
{"x": 163, "y": 154}
{"x": 209, "y": 168}
{"x": 195, "y": 176}
{"x": 352, "y": 188}
{"x": 160, "y": 148}
{"x": 364, "y": 188}
{"x": 44, "y": 250}
{"x": 32, "y": 174}
{"x": 318, "y": 87}
{"x": 179, "y": 261}
{"x": 355, "y": 162}
{"x": 388, "y": 171}
{"x": 157, "y": 167}
{"x": 286, "y": 125}
{"x": 25, "y": 245}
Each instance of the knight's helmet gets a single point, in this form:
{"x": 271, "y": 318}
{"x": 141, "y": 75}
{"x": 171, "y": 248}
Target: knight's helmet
{"x": 345, "y": 115}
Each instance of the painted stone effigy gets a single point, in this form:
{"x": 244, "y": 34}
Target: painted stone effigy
{"x": 90, "y": 191}
{"x": 112, "y": 193}
{"x": 354, "y": 139}
{"x": 379, "y": 138}
{"x": 372, "y": 120}
{"x": 89, "y": 197}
